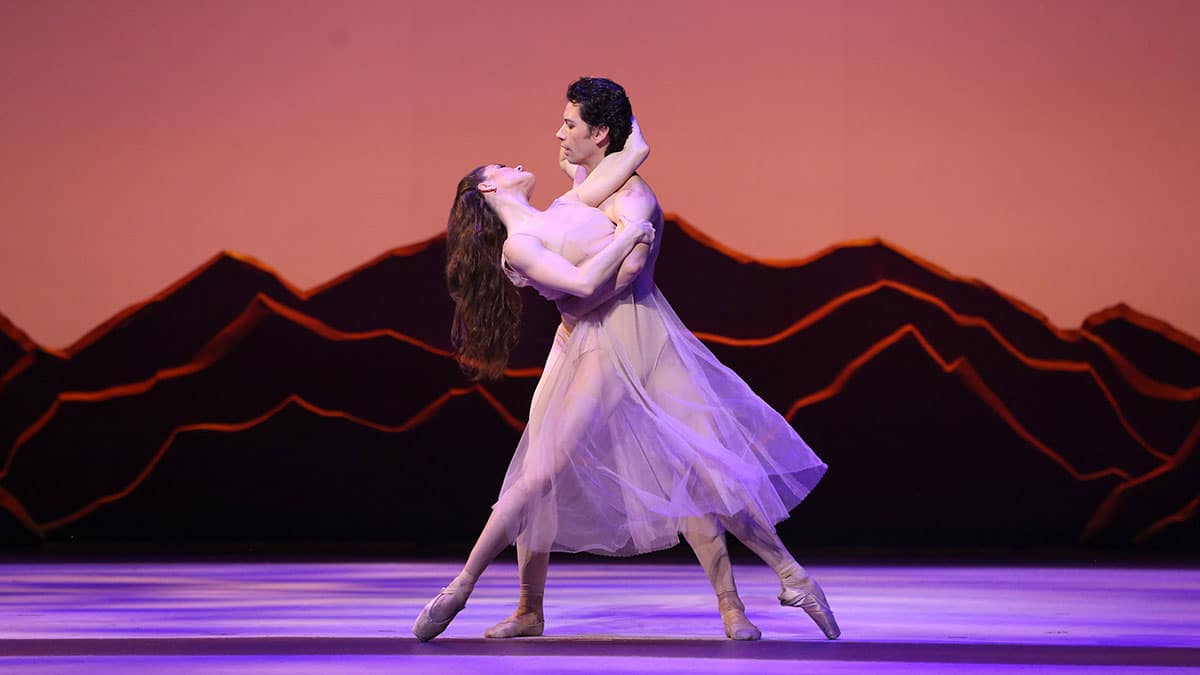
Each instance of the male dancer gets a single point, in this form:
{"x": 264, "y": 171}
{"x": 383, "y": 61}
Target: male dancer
{"x": 597, "y": 120}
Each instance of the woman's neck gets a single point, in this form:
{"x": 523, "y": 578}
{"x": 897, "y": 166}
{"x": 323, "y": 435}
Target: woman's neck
{"x": 514, "y": 210}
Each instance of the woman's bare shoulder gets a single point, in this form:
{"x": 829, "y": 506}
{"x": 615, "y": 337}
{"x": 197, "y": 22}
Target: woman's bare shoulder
{"x": 568, "y": 197}
{"x": 518, "y": 245}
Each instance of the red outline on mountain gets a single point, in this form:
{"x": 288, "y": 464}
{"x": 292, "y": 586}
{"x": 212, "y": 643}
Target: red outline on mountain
{"x": 416, "y": 420}
{"x": 1108, "y": 509}
{"x": 963, "y": 369}
{"x": 10, "y": 503}
{"x": 15, "y": 334}
{"x": 1145, "y": 322}
{"x": 211, "y": 352}
{"x": 24, "y": 342}
{"x": 1181, "y": 516}
{"x": 1148, "y": 387}
{"x": 1142, "y": 383}
{"x": 96, "y": 333}
{"x": 693, "y": 232}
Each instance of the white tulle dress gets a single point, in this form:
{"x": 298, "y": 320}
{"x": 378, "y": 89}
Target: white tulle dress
{"x": 635, "y": 426}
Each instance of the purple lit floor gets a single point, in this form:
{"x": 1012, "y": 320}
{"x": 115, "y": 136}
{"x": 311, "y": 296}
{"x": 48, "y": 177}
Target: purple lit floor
{"x": 625, "y": 617}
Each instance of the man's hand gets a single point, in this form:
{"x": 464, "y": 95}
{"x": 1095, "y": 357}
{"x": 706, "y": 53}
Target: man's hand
{"x": 644, "y": 228}
{"x": 636, "y": 138}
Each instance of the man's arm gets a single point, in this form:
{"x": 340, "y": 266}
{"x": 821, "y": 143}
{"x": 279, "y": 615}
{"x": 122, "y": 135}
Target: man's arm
{"x": 613, "y": 171}
{"x": 631, "y": 206}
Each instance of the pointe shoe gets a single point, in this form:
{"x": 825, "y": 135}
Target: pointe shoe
{"x": 809, "y": 597}
{"x": 517, "y": 625}
{"x": 737, "y": 626}
{"x": 452, "y": 599}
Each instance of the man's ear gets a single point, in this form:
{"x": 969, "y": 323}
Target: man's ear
{"x": 600, "y": 134}
{"x": 486, "y": 186}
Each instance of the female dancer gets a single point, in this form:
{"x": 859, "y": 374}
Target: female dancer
{"x": 636, "y": 432}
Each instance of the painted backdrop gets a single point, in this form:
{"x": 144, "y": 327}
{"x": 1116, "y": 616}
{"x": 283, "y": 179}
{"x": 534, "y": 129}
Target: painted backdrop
{"x": 1050, "y": 149}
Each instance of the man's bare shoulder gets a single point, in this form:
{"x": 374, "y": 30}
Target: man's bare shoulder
{"x": 635, "y": 193}
{"x": 636, "y": 185}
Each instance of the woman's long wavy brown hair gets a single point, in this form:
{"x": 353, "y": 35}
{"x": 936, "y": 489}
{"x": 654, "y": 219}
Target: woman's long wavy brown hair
{"x": 487, "y": 307}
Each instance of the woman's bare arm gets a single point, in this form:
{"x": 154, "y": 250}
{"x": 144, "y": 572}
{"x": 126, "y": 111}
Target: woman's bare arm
{"x": 632, "y": 206}
{"x": 527, "y": 255}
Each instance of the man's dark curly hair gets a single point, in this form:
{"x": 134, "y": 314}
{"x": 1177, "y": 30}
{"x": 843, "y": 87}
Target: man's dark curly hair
{"x": 603, "y": 103}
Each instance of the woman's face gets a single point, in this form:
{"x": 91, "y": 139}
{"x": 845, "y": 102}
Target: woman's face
{"x": 512, "y": 178}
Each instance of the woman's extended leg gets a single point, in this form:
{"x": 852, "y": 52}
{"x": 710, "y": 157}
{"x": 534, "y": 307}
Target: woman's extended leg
{"x": 528, "y": 503}
{"x": 497, "y": 534}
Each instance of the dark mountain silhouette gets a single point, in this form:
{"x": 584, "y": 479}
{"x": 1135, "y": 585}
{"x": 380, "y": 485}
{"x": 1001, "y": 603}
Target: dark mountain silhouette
{"x": 1161, "y": 500}
{"x": 903, "y": 437}
{"x": 389, "y": 291}
{"x": 1157, "y": 348}
{"x": 761, "y": 298}
{"x": 948, "y": 411}
{"x": 161, "y": 332}
{"x": 266, "y": 354}
{"x": 1099, "y": 429}
{"x": 428, "y": 485}
{"x": 793, "y": 288}
{"x": 168, "y": 329}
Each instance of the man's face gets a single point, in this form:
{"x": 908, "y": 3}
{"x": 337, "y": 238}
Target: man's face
{"x": 573, "y": 136}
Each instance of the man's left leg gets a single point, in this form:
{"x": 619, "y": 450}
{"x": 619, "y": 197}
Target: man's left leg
{"x": 528, "y": 620}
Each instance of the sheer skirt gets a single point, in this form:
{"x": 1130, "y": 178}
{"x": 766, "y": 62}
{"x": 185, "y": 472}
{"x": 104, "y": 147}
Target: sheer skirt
{"x": 634, "y": 427}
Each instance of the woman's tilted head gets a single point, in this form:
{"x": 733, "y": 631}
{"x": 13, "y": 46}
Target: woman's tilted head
{"x": 497, "y": 178}
{"x": 487, "y": 307}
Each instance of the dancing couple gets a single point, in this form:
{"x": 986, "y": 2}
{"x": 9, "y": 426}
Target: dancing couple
{"x": 636, "y": 433}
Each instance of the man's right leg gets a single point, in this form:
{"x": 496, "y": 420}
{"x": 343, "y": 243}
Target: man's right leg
{"x": 707, "y": 539}
{"x": 798, "y": 588}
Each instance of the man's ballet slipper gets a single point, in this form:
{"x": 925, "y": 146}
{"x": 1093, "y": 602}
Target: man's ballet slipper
{"x": 733, "y": 615}
{"x": 517, "y": 625}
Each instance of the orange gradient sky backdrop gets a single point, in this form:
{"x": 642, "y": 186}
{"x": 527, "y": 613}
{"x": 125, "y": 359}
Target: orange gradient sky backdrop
{"x": 1051, "y": 149}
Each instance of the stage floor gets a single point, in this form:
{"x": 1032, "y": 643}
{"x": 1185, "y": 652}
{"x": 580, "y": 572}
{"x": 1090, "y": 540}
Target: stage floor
{"x": 623, "y": 617}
